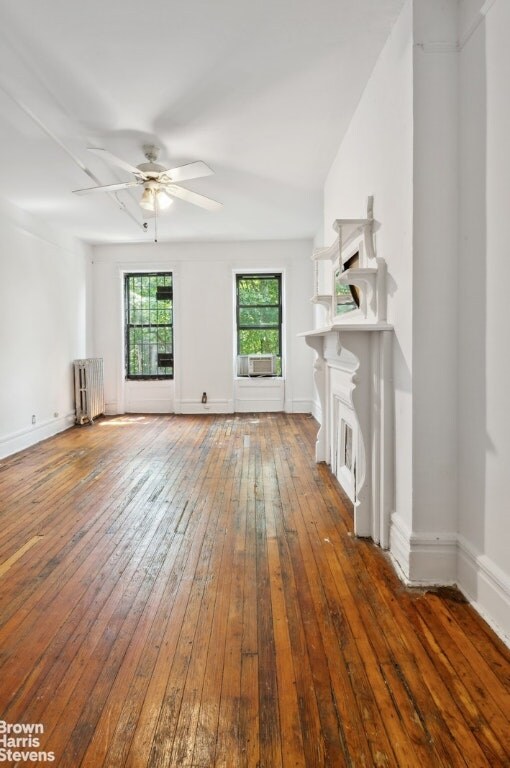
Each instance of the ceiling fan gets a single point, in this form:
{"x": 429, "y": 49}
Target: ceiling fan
{"x": 159, "y": 184}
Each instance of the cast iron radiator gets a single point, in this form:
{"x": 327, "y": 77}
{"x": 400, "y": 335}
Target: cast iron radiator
{"x": 88, "y": 389}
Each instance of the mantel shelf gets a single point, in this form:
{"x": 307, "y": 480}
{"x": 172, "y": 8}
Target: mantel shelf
{"x": 359, "y": 271}
{"x": 327, "y": 254}
{"x": 349, "y": 228}
{"x": 348, "y": 326}
{"x": 319, "y": 298}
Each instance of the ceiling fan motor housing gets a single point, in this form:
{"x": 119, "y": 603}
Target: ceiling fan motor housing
{"x": 151, "y": 169}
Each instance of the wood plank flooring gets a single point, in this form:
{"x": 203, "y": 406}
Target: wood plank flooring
{"x": 185, "y": 591}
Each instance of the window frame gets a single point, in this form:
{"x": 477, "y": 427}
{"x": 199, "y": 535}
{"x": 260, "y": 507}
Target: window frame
{"x": 273, "y": 275}
{"x": 128, "y": 325}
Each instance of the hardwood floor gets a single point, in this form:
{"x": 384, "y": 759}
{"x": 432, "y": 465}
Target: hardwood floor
{"x": 185, "y": 591}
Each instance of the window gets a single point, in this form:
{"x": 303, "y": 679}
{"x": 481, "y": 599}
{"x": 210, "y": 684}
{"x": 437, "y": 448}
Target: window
{"x": 149, "y": 326}
{"x": 259, "y": 316}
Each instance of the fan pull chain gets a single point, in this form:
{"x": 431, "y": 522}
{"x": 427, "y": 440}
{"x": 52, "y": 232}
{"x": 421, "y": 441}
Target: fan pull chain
{"x": 156, "y": 206}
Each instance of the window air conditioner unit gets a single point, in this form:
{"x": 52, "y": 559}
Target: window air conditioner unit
{"x": 256, "y": 365}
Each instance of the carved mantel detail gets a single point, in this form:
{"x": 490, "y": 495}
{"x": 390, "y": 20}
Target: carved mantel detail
{"x": 353, "y": 378}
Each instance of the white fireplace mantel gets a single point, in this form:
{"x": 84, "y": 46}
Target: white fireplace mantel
{"x": 353, "y": 376}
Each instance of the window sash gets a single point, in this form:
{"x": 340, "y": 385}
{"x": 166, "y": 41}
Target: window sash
{"x": 153, "y": 322}
{"x": 240, "y": 305}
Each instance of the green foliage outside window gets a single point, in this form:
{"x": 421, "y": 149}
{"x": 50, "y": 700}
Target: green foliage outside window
{"x": 259, "y": 316}
{"x": 344, "y": 298}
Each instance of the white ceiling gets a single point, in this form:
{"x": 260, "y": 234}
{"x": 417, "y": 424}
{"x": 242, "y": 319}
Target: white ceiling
{"x": 261, "y": 91}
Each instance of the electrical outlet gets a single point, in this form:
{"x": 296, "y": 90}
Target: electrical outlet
{"x": 33, "y": 418}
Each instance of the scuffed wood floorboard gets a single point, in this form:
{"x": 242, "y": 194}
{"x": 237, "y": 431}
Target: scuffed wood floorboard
{"x": 186, "y": 591}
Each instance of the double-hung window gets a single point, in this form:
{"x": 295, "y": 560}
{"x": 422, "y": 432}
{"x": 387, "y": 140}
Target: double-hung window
{"x": 149, "y": 325}
{"x": 259, "y": 316}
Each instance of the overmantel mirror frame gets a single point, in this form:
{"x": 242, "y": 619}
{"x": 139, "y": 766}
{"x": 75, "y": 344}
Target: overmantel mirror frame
{"x": 352, "y": 274}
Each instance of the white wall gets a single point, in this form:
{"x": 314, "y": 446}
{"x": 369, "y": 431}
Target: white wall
{"x": 434, "y": 301}
{"x": 430, "y": 141}
{"x": 43, "y": 327}
{"x": 401, "y": 148}
{"x": 376, "y": 158}
{"x": 484, "y": 277}
{"x": 203, "y": 322}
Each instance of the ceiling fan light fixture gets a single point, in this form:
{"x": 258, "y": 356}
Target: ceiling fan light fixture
{"x": 164, "y": 201}
{"x": 147, "y": 199}
{"x": 154, "y": 197}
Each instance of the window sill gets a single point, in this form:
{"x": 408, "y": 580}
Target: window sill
{"x": 252, "y": 379}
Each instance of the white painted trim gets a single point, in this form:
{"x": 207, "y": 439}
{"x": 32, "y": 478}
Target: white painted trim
{"x": 266, "y": 405}
{"x": 298, "y": 406}
{"x": 400, "y": 536}
{"x": 260, "y": 395}
{"x": 480, "y": 580}
{"x": 212, "y": 406}
{"x": 316, "y": 411}
{"x": 444, "y": 559}
{"x": 150, "y": 405}
{"x": 24, "y": 438}
{"x": 433, "y": 558}
{"x": 423, "y": 558}
{"x": 486, "y": 587}
{"x": 259, "y": 381}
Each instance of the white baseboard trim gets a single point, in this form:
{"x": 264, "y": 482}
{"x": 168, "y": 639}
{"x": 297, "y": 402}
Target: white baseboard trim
{"x": 445, "y": 559}
{"x": 266, "y": 405}
{"x": 423, "y": 558}
{"x": 242, "y": 405}
{"x": 298, "y": 406}
{"x": 400, "y": 536}
{"x": 24, "y": 438}
{"x": 153, "y": 405}
{"x": 486, "y": 587}
{"x": 259, "y": 395}
{"x": 317, "y": 411}
{"x": 212, "y": 406}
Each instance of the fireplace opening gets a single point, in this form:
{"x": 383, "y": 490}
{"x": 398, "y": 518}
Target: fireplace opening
{"x": 347, "y": 441}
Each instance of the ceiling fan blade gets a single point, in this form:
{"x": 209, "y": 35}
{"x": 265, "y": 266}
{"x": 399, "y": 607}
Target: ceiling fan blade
{"x": 114, "y": 160}
{"x": 108, "y": 187}
{"x": 189, "y": 171}
{"x": 192, "y": 197}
